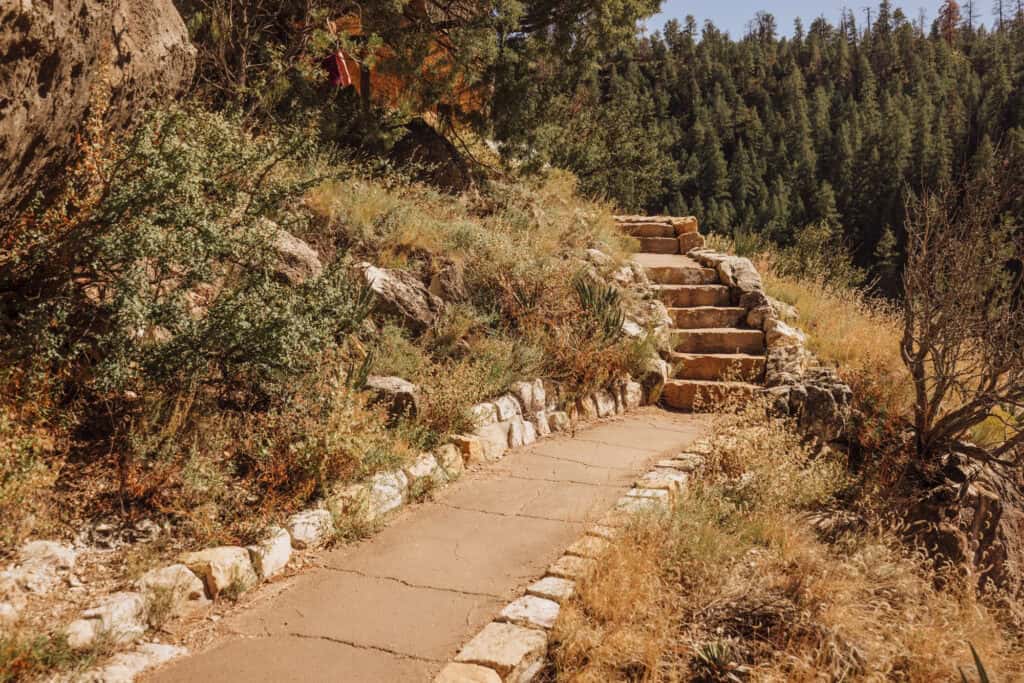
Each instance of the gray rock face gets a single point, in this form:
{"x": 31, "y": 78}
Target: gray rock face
{"x": 399, "y": 293}
{"x": 55, "y": 54}
{"x": 297, "y": 262}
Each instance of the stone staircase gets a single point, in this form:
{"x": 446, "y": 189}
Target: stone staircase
{"x": 715, "y": 356}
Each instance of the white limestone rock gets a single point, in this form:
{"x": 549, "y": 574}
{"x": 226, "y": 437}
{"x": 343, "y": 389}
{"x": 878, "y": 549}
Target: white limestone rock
{"x": 632, "y": 395}
{"x": 124, "y": 667}
{"x": 175, "y": 588}
{"x": 539, "y": 420}
{"x": 457, "y": 672}
{"x": 531, "y": 612}
{"x": 388, "y": 491}
{"x": 310, "y": 528}
{"x": 425, "y": 473}
{"x": 450, "y": 460}
{"x": 271, "y": 555}
{"x": 553, "y": 588}
{"x": 507, "y": 407}
{"x": 221, "y": 568}
{"x": 605, "y": 403}
{"x": 515, "y": 652}
{"x": 120, "y": 619}
{"x": 558, "y": 421}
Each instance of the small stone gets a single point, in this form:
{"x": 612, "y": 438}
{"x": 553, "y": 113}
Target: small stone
{"x": 665, "y": 479}
{"x": 484, "y": 414}
{"x": 174, "y": 591}
{"x": 310, "y": 528}
{"x": 523, "y": 392}
{"x": 588, "y": 546}
{"x": 558, "y": 421}
{"x": 572, "y": 567}
{"x": 119, "y": 618}
{"x": 124, "y": 667}
{"x": 587, "y": 408}
{"x": 507, "y": 407}
{"x": 270, "y": 556}
{"x": 605, "y": 403}
{"x": 297, "y": 262}
{"x": 457, "y": 672}
{"x": 539, "y": 420}
{"x": 471, "y": 448}
{"x": 684, "y": 462}
{"x": 540, "y": 396}
{"x": 401, "y": 397}
{"x": 516, "y": 433}
{"x": 531, "y": 612}
{"x": 632, "y": 395}
{"x": 48, "y": 554}
{"x": 634, "y": 505}
{"x": 648, "y": 494}
{"x": 388, "y": 491}
{"x": 425, "y": 473}
{"x": 450, "y": 460}
{"x": 223, "y": 567}
{"x": 496, "y": 438}
{"x": 553, "y": 588}
{"x": 510, "y": 650}
{"x": 778, "y": 334}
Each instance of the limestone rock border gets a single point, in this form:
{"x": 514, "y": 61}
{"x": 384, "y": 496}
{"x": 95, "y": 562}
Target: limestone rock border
{"x": 519, "y": 418}
{"x": 513, "y": 647}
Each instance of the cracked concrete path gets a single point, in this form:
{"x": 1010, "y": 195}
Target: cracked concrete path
{"x": 399, "y": 605}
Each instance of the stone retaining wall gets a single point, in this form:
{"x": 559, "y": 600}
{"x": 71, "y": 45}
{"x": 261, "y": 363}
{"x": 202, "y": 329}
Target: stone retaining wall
{"x": 800, "y": 386}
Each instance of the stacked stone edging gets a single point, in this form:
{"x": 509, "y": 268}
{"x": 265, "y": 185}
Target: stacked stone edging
{"x": 521, "y": 417}
{"x": 513, "y": 648}
{"x": 800, "y": 386}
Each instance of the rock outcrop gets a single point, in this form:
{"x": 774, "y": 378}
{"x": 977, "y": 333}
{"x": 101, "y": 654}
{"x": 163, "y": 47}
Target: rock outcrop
{"x": 54, "y": 55}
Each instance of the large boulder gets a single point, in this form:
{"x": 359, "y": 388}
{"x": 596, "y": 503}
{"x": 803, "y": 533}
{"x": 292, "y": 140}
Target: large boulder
{"x": 55, "y": 54}
{"x": 401, "y": 294}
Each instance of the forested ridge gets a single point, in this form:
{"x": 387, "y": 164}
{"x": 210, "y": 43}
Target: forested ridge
{"x": 768, "y": 134}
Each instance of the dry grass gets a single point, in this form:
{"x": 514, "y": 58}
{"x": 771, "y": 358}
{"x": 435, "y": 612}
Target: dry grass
{"x": 740, "y": 583}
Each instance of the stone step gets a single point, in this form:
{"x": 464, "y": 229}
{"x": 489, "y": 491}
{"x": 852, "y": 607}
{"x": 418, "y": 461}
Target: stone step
{"x": 688, "y": 296}
{"x": 682, "y": 275}
{"x": 704, "y": 317}
{"x": 650, "y": 230}
{"x": 688, "y": 241}
{"x": 659, "y": 245}
{"x": 718, "y": 340}
{"x": 700, "y": 396}
{"x": 719, "y": 366}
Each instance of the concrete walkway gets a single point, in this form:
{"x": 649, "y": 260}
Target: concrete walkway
{"x": 398, "y": 606}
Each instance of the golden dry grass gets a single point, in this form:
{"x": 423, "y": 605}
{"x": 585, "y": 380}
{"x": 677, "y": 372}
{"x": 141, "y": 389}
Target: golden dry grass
{"x": 858, "y": 334}
{"x": 741, "y": 583}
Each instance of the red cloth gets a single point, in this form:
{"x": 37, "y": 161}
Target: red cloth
{"x": 336, "y": 67}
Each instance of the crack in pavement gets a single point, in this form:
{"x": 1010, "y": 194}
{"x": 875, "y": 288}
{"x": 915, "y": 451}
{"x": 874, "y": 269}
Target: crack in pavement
{"x": 361, "y": 646}
{"x": 583, "y": 462}
{"x": 509, "y": 514}
{"x": 407, "y": 584}
{"x": 567, "y": 481}
{"x": 652, "y": 451}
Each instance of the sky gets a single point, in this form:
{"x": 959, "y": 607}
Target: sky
{"x": 733, "y": 16}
